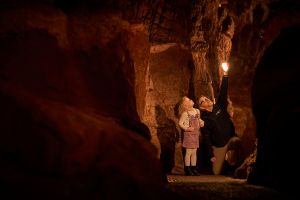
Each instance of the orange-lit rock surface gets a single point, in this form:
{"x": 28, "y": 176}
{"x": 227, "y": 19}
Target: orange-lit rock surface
{"x": 92, "y": 86}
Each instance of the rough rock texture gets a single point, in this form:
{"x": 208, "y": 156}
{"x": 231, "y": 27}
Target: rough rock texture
{"x": 69, "y": 114}
{"x": 131, "y": 62}
{"x": 53, "y": 150}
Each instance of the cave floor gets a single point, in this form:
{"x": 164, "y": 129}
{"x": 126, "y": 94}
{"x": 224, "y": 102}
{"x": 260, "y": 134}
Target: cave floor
{"x": 215, "y": 187}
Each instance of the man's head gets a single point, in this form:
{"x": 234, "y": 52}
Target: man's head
{"x": 205, "y": 103}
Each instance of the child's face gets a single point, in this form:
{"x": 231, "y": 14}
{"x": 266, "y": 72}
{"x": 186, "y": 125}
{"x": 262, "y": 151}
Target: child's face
{"x": 188, "y": 102}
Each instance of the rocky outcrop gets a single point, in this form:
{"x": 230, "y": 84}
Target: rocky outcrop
{"x": 71, "y": 90}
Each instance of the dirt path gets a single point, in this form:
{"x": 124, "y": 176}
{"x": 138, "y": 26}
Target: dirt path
{"x": 210, "y": 187}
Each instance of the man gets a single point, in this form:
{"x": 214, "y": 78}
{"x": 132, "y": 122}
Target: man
{"x": 218, "y": 131}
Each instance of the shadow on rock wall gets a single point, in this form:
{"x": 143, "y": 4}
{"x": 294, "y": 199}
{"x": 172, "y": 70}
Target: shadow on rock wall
{"x": 168, "y": 136}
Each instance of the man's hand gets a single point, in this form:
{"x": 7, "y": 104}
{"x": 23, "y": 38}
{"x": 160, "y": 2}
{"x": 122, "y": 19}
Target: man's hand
{"x": 213, "y": 159}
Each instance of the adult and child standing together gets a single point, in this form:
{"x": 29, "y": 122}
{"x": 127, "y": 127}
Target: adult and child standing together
{"x": 214, "y": 127}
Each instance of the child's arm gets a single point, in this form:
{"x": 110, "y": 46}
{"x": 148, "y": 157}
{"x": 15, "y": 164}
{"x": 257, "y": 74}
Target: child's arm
{"x": 201, "y": 122}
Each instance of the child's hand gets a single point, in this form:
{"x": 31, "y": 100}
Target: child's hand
{"x": 201, "y": 123}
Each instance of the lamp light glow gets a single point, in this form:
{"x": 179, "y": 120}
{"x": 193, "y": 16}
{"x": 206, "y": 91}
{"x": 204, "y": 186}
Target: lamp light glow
{"x": 225, "y": 66}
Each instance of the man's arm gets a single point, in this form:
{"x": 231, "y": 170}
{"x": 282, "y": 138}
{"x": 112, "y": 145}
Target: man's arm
{"x": 222, "y": 97}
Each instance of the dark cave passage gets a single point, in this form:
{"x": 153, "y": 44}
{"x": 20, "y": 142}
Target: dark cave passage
{"x": 277, "y": 111}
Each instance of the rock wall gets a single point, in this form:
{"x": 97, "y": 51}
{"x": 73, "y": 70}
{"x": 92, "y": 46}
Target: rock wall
{"x": 130, "y": 62}
{"x": 72, "y": 85}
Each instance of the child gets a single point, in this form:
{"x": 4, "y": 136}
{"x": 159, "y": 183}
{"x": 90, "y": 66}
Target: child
{"x": 190, "y": 123}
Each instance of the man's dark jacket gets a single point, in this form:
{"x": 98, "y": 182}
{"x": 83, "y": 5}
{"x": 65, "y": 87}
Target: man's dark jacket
{"x": 218, "y": 127}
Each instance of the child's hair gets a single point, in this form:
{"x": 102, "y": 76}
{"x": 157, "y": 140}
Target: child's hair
{"x": 182, "y": 106}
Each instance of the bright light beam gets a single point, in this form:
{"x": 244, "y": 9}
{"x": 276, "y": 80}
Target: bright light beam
{"x": 225, "y": 66}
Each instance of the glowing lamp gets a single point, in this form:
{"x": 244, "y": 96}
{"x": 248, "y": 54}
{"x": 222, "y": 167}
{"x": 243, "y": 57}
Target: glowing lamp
{"x": 225, "y": 66}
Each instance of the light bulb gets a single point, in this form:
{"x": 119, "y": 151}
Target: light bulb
{"x": 225, "y": 66}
